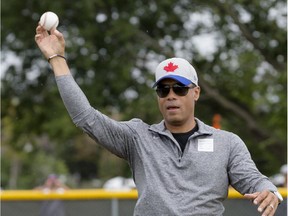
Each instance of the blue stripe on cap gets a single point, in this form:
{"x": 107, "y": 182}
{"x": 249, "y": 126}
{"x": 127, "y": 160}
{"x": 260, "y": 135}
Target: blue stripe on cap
{"x": 180, "y": 79}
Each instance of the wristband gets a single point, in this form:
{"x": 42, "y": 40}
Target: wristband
{"x": 55, "y": 55}
{"x": 278, "y": 195}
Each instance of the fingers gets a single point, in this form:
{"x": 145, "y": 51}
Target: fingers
{"x": 41, "y": 33}
{"x": 269, "y": 210}
{"x": 268, "y": 203}
{"x": 266, "y": 200}
{"x": 41, "y": 30}
{"x": 58, "y": 34}
{"x": 251, "y": 196}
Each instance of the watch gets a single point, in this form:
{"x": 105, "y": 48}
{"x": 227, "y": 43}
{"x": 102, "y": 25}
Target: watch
{"x": 278, "y": 195}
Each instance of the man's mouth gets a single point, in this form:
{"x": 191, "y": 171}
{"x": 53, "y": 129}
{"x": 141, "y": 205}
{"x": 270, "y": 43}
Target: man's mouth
{"x": 172, "y": 107}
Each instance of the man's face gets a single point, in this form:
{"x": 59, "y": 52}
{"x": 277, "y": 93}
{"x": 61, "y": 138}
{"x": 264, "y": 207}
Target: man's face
{"x": 178, "y": 111}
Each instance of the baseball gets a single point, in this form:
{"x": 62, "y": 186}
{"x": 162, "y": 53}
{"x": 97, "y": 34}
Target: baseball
{"x": 49, "y": 20}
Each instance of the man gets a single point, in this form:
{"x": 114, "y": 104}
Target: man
{"x": 180, "y": 166}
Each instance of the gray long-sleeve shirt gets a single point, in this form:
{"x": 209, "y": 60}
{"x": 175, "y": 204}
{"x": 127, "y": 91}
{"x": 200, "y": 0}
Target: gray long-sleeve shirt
{"x": 169, "y": 181}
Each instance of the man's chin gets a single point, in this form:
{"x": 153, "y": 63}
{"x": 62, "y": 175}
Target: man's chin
{"x": 174, "y": 122}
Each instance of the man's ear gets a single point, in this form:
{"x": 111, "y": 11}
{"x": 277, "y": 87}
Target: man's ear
{"x": 197, "y": 91}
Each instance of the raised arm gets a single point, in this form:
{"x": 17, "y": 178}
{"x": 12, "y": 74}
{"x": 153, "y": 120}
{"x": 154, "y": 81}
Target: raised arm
{"x": 50, "y": 45}
{"x": 112, "y": 135}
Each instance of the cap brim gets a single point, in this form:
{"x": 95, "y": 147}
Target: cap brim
{"x": 180, "y": 79}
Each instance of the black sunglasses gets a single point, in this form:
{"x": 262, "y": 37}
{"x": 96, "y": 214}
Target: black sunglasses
{"x": 180, "y": 90}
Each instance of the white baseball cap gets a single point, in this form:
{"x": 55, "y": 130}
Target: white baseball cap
{"x": 178, "y": 69}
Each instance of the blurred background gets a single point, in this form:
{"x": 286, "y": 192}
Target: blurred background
{"x": 239, "y": 49}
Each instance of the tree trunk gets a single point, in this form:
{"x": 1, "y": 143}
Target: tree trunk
{"x": 15, "y": 169}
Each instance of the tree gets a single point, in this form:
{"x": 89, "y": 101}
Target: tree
{"x": 112, "y": 48}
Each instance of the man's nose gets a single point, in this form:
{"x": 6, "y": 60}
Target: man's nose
{"x": 171, "y": 94}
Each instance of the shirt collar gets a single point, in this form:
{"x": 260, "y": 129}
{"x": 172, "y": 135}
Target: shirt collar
{"x": 203, "y": 129}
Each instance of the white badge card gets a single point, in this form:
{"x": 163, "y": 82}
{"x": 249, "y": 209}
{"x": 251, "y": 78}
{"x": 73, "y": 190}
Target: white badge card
{"x": 205, "y": 145}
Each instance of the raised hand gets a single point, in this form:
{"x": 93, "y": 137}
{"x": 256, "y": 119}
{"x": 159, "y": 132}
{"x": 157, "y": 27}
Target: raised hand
{"x": 50, "y": 44}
